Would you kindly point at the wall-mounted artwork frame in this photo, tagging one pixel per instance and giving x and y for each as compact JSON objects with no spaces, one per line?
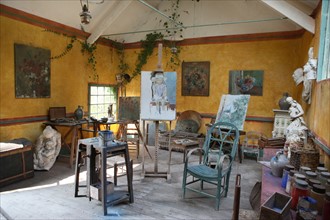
{"x":248,"y":82}
{"x":195,"y":78}
{"x":32,"y":72}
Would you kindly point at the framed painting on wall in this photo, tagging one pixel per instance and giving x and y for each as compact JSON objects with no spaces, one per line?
{"x":32,"y":72}
{"x":158,"y":95}
{"x":246,"y":82}
{"x":195,"y":78}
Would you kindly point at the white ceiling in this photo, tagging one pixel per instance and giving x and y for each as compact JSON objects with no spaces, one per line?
{"x":130,"y":21}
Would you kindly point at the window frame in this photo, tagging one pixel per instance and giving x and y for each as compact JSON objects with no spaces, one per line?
{"x":115,"y":103}
{"x":323,"y":68}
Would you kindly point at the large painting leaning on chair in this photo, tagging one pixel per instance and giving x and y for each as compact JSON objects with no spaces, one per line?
{"x":233,"y":109}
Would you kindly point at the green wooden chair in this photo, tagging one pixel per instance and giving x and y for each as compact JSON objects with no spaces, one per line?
{"x":218,"y":152}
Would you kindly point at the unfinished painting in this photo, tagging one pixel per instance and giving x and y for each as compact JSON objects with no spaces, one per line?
{"x":233,"y":109}
{"x":129,"y":108}
{"x":246,"y":82}
{"x":158,"y":95}
{"x":32,"y":72}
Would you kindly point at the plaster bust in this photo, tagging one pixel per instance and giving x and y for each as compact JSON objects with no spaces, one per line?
{"x":48,"y":147}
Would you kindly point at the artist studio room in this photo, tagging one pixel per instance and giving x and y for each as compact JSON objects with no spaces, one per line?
{"x":165,"y":109}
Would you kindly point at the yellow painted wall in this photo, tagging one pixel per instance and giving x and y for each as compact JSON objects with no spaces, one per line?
{"x":277,"y":58}
{"x":69,"y":76}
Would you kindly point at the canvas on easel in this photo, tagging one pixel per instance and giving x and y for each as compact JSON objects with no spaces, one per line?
{"x":233,"y":109}
{"x":158,"y":96}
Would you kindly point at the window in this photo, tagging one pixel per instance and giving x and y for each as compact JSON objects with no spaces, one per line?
{"x":324,"y":49}
{"x":100,"y":97}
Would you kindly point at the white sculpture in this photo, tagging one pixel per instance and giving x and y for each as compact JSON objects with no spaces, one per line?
{"x":296,"y":131}
{"x":47,"y":149}
{"x":306,"y":75}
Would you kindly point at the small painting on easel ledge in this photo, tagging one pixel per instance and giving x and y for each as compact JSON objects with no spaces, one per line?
{"x":249,"y":82}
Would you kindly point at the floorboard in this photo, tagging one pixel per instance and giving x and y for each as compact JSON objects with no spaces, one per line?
{"x":50,"y":195}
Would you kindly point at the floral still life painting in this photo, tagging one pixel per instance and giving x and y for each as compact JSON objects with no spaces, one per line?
{"x":195,"y":78}
{"x":246,"y":82}
{"x":32,"y":72}
{"x":233,"y":109}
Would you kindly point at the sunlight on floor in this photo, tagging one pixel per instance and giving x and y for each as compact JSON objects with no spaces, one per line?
{"x":70,"y":180}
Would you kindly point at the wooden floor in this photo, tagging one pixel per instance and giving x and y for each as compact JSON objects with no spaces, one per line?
{"x":50,"y":195}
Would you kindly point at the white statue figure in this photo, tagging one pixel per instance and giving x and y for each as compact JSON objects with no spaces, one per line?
{"x":306,"y":75}
{"x":159,"y":90}
{"x":47,"y":149}
{"x":296,"y":131}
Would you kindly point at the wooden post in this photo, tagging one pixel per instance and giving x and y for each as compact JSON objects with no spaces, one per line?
{"x":237,"y":197}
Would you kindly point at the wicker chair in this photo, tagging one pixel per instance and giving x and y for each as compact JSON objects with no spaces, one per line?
{"x":218,"y":152}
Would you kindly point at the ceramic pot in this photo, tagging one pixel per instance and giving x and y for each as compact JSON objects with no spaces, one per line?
{"x":106,"y":137}
{"x":277,"y":164}
{"x":79,"y":113}
{"x":284,"y":105}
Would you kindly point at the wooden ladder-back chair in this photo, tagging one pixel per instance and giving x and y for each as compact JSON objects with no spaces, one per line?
{"x":218,"y":152}
{"x":250,"y":144}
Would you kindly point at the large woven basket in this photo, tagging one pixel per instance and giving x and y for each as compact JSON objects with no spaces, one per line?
{"x":304,"y":158}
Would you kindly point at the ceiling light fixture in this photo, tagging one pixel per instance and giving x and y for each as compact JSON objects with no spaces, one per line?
{"x":85,"y":15}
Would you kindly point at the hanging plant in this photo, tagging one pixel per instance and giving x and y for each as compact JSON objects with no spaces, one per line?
{"x":148,"y":46}
{"x":122,"y":66}
{"x":146,"y":51}
{"x":67,"y":48}
{"x":90,"y":50}
{"x":85,"y":48}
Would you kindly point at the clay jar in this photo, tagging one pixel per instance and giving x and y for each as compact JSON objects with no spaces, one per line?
{"x":277,"y":164}
{"x":284,"y":105}
{"x":79,"y":113}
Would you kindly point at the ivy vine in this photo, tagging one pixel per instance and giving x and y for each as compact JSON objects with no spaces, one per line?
{"x":90,"y":49}
{"x":85,"y":48}
{"x":147,"y":45}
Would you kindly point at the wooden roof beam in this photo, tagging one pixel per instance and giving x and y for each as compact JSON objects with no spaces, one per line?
{"x":113,"y":12}
{"x":293,"y":14}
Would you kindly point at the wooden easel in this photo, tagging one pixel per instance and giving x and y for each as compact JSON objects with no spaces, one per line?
{"x":156,"y":173}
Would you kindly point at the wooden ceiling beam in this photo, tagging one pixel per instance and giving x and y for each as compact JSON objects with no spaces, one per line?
{"x":293,"y":14}
{"x":109,"y":18}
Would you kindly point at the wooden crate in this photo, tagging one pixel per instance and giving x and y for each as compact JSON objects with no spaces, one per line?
{"x":277,"y":207}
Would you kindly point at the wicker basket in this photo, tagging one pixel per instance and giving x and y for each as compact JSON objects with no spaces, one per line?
{"x":300,"y":157}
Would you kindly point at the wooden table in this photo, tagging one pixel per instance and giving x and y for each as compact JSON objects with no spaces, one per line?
{"x":74,"y":130}
{"x":109,"y":150}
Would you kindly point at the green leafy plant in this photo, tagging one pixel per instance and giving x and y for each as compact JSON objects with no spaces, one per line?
{"x":85,"y":48}
{"x":90,"y":50}
{"x":148,"y":46}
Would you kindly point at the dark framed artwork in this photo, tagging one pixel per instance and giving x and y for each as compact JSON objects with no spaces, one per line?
{"x":195,"y":78}
{"x":248,"y":82}
{"x":129,"y":108}
{"x":32,"y":72}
